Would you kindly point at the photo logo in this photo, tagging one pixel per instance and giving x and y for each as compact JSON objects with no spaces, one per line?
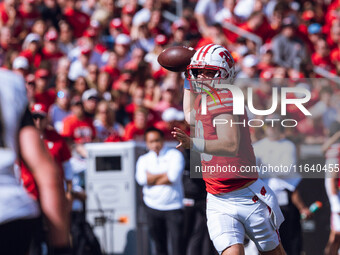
{"x":239,"y":102}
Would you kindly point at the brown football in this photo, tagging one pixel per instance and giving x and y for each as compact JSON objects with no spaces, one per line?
{"x":176,"y":58}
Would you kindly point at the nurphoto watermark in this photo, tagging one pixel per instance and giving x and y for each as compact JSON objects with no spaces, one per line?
{"x":238,"y":103}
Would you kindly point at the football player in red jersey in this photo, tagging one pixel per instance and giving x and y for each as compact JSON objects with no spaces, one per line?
{"x":238,"y":203}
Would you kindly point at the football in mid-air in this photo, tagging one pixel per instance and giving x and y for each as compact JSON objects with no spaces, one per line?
{"x":176,"y":58}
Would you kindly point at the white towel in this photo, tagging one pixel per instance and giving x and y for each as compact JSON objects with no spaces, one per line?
{"x":266,"y":195}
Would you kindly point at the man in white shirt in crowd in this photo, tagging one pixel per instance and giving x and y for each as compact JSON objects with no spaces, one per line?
{"x":160,"y":173}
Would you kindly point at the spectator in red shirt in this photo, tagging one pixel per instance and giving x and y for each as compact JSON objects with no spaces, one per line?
{"x":157,"y":25}
{"x":258,"y":24}
{"x":8,"y":13}
{"x":307,"y":18}
{"x":123,"y":84}
{"x":168,"y":99}
{"x":334,"y":34}
{"x":332,"y":11}
{"x":107,"y":129}
{"x":50,"y":50}
{"x":42,"y":94}
{"x":28,"y":12}
{"x":31,"y":49}
{"x":115,"y":28}
{"x":111,"y":66}
{"x":280,"y":11}
{"x":137,"y":56}
{"x":92,"y":33}
{"x":321,"y":55}
{"x":78,"y":127}
{"x":152,"y":93}
{"x":215,"y":35}
{"x":77,"y":19}
{"x":137,"y":101}
{"x":127,"y":15}
{"x":56,"y":146}
{"x":90,"y":41}
{"x":179,"y":31}
{"x":227,"y":15}
{"x":135,"y":129}
{"x":266,"y":61}
{"x":189,"y":16}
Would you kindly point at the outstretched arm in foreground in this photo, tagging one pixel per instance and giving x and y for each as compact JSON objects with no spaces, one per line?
{"x":49,"y":181}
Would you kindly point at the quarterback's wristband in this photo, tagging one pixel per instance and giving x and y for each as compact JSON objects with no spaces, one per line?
{"x":198,"y":144}
{"x":192,"y":117}
{"x":335,"y":203}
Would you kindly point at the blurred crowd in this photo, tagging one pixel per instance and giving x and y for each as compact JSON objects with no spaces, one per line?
{"x":102,"y":56}
{"x":93,"y":64}
{"x":91,"y":69}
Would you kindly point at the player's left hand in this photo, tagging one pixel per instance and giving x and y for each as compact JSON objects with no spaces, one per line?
{"x":184,"y":140}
